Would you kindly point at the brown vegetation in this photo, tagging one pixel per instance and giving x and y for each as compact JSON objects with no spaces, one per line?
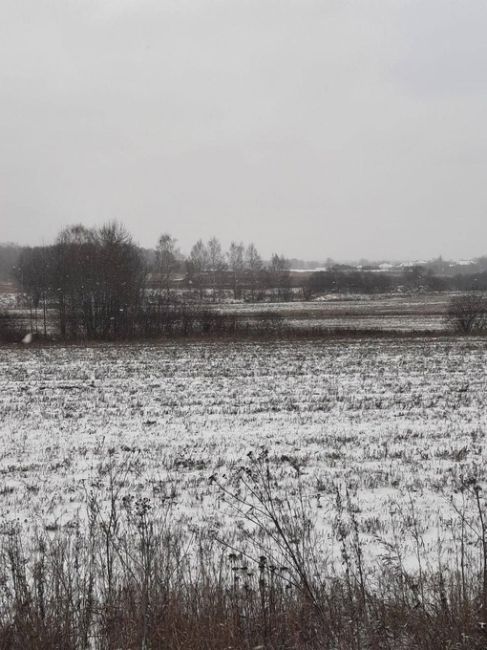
{"x":126,"y":578}
{"x":467,"y":313}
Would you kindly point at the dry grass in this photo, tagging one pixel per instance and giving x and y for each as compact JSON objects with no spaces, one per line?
{"x":126,"y":579}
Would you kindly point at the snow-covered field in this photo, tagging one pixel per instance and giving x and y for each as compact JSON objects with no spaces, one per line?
{"x":349,"y":304}
{"x":8,"y":300}
{"x":396,"y":421}
{"x":388,"y":312}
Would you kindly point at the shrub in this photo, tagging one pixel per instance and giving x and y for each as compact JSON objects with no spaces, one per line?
{"x":468,"y":313}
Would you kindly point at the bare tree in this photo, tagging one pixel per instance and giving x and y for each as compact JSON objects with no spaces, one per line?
{"x":468,"y":313}
{"x":93,"y":278}
{"x":216,"y":264}
{"x":280,"y":276}
{"x":74,"y":261}
{"x":253,"y":266}
{"x":34,"y":274}
{"x":9,"y":258}
{"x":123,"y":274}
{"x":197,"y":265}
{"x":236,"y":266}
{"x":167,"y":262}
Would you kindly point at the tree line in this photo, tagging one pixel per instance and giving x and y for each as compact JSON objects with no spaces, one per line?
{"x":96,"y":283}
{"x":413,"y":279}
{"x":209,"y":267}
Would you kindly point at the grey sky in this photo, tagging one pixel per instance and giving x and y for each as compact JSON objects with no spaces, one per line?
{"x":343,"y":128}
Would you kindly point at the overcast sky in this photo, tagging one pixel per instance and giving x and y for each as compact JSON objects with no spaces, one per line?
{"x":316,"y":128}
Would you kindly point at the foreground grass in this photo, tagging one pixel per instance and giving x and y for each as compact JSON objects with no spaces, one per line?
{"x":126,"y":577}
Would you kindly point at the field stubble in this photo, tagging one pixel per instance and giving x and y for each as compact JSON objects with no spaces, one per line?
{"x":373,"y":440}
{"x":387,"y":419}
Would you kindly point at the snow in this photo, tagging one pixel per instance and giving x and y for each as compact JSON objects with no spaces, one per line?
{"x":397,"y":422}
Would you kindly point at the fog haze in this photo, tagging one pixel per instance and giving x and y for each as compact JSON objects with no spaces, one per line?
{"x":342,"y":128}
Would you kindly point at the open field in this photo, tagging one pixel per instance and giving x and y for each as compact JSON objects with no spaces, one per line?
{"x":398,"y":422}
{"x":390,"y":313}
{"x":282,"y":495}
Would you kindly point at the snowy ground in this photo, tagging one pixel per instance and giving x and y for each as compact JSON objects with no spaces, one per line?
{"x":398,"y":422}
{"x":8,"y":300}
{"x":388,"y":312}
